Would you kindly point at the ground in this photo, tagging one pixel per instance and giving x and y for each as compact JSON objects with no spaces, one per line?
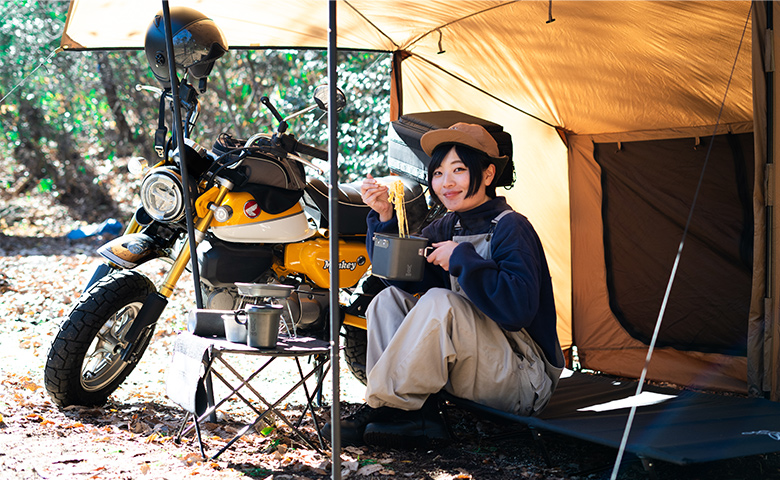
{"x":42,"y":273}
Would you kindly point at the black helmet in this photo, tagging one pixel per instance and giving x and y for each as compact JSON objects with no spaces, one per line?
{"x":197,"y":43}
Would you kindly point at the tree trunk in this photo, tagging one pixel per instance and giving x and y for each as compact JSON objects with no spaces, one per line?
{"x":109,"y":85}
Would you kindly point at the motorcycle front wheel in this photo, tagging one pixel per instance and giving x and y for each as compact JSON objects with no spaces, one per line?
{"x":85,"y":363}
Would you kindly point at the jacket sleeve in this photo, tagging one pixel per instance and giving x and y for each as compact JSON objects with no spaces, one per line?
{"x":507,"y":287}
{"x":376,"y":226}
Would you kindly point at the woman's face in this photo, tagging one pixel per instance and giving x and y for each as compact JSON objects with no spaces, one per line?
{"x":450,"y":183}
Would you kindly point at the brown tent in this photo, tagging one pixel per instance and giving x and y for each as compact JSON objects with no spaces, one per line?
{"x":612,"y":107}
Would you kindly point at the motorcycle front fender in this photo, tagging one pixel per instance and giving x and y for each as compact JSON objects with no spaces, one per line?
{"x":129,"y":251}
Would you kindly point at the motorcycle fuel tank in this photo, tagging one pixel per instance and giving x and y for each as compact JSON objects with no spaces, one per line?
{"x":312,"y":258}
{"x":250,"y":224}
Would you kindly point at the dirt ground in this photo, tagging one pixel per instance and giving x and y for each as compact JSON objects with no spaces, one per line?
{"x":42,"y":274}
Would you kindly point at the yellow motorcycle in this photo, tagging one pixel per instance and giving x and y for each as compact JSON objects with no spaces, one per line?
{"x":257,"y":219}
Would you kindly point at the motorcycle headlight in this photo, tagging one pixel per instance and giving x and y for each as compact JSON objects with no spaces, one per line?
{"x":162,"y":195}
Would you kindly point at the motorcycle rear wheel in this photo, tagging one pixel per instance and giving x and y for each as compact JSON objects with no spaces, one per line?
{"x":84,"y":365}
{"x":355,"y":343}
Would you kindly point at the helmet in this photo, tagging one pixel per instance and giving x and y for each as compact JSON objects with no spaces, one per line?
{"x":197,"y":43}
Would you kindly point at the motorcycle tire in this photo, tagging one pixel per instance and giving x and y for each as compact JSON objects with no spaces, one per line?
{"x":355,"y":343}
{"x":85,"y":365}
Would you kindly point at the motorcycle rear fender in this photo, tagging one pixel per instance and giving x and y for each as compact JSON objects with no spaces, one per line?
{"x":354,"y":321}
{"x":129,"y":251}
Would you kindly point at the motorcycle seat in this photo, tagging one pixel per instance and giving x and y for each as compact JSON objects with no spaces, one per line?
{"x":352,"y":210}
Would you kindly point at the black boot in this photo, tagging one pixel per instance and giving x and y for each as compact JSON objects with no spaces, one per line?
{"x":353,"y":426}
{"x":424,"y":428}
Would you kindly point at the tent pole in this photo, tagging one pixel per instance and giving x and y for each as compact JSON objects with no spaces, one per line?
{"x":333,"y":235}
{"x":772,"y":339}
{"x":179,"y":133}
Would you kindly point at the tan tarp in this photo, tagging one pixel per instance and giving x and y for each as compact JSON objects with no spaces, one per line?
{"x":601,"y":70}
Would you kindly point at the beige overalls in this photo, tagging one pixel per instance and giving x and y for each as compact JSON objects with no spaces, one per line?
{"x":442,"y":341}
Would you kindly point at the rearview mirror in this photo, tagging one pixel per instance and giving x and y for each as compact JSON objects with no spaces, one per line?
{"x":322,"y":94}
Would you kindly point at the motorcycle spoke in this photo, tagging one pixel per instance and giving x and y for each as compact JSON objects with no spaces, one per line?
{"x":103,"y":361}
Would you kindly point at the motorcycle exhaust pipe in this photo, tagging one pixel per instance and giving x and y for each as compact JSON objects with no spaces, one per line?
{"x":153,"y":307}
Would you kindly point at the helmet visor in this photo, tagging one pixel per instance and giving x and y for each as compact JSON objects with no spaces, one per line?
{"x":200,"y":43}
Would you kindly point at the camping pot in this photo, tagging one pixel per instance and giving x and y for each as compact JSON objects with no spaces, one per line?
{"x":262,"y":324}
{"x":399,"y":258}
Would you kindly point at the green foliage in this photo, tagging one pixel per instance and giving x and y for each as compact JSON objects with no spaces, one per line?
{"x":87,"y":103}
{"x":288,"y":79}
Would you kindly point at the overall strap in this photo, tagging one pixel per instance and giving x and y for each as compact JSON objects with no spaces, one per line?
{"x":495,"y":221}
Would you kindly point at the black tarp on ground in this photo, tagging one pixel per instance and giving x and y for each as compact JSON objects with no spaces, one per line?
{"x":684,"y":428}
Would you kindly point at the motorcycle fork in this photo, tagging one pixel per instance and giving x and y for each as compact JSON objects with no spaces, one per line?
{"x":156,"y":302}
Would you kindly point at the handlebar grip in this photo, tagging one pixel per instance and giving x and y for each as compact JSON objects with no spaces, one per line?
{"x":311,"y":151}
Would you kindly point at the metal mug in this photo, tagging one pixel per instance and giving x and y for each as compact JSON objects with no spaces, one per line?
{"x":235,"y":328}
{"x":262,"y":324}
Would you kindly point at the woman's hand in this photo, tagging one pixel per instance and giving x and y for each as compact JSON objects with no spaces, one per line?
{"x":375,"y":195}
{"x":441,"y":255}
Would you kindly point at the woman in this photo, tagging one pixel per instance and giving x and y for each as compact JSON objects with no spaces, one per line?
{"x":485,"y":327}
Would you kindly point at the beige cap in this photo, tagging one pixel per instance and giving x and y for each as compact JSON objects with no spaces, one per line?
{"x":468,"y":134}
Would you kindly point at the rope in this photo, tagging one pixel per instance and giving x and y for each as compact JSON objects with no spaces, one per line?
{"x":662,"y":311}
{"x":24,"y":80}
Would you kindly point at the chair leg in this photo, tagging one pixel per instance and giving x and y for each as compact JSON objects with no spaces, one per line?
{"x":441,"y":405}
{"x":180,"y":430}
{"x":200,"y":440}
{"x":649,"y":467}
{"x":537,"y":436}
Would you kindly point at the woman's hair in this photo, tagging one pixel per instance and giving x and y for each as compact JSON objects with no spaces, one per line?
{"x":475,"y":160}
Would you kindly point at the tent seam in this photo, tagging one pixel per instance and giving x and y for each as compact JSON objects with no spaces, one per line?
{"x":456,"y":21}
{"x":482,"y":90}
{"x":372,"y":24}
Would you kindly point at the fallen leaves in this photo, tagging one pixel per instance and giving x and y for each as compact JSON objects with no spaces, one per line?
{"x":191,"y":459}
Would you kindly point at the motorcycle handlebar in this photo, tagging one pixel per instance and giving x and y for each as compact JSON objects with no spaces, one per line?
{"x":311,"y":151}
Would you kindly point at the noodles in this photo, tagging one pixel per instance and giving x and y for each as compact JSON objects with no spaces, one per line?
{"x":396,"y":195}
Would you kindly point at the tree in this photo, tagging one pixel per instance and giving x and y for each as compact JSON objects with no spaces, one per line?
{"x":73,"y":111}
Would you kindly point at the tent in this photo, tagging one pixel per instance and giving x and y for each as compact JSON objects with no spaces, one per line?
{"x":614,"y":108}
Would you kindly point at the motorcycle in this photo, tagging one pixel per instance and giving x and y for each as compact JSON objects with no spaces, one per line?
{"x":258,"y":219}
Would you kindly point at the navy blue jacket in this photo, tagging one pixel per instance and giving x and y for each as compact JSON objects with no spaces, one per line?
{"x":513,"y":288}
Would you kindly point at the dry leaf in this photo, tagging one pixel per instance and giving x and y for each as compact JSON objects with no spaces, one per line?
{"x":351,"y":465}
{"x":192,"y":459}
{"x":370,"y":469}
{"x":145,"y":468}
{"x":354,"y":450}
{"x":31,"y":385}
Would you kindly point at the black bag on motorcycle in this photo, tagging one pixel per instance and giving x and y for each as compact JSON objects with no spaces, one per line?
{"x":276,"y":182}
{"x":406,"y":157}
